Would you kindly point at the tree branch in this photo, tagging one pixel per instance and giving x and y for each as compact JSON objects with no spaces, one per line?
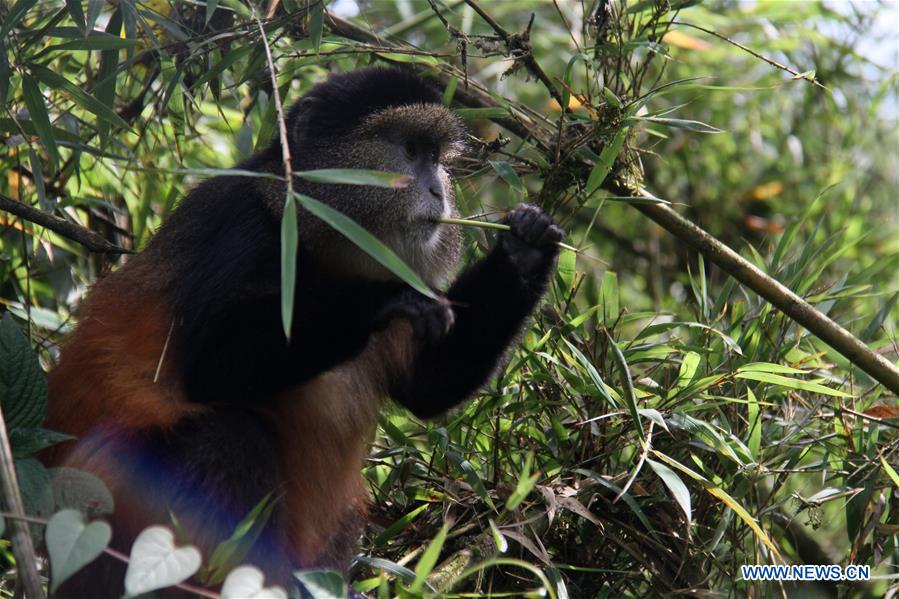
{"x":89,"y":239}
{"x":777,"y":294}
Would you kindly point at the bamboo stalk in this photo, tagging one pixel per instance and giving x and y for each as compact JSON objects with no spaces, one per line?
{"x":22,"y":547}
{"x":464,"y":222}
{"x":827,"y":330}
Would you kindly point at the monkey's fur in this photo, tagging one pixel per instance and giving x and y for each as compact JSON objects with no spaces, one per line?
{"x":179,"y":382}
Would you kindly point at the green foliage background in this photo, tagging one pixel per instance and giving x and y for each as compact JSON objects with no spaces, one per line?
{"x":659,"y":425}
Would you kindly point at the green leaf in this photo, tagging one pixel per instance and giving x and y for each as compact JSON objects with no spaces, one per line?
{"x":23,"y":386}
{"x":450,"y":90}
{"x":107,"y":77}
{"x":894,"y":476}
{"x":227,"y":60}
{"x":14,"y":15}
{"x":525,"y":483}
{"x":471,"y":476}
{"x":689,"y":125}
{"x":607,"y":158}
{"x":790,"y":383}
{"x":630,"y":396}
{"x":5,"y":74}
{"x":508,"y":174}
{"x":591,"y":372}
{"x":567,"y":78}
{"x":502,"y":545}
{"x":367,"y":242}
{"x":354,"y":176}
{"x":877,"y":322}
{"x":726,"y":499}
{"x":230,"y":553}
{"x":85,"y":100}
{"x":399,"y":525}
{"x":687,"y":369}
{"x":289,"y":243}
{"x":28,"y":440}
{"x":37,"y":494}
{"x":76,"y":11}
{"x":316,"y":24}
{"x":72,"y":544}
{"x":95,"y":41}
{"x":34,"y":100}
{"x":609,"y":298}
{"x":755,"y":425}
{"x":675,"y":485}
{"x":322,"y":584}
{"x":37,"y":166}
{"x":429,"y":558}
{"x":566,"y":269}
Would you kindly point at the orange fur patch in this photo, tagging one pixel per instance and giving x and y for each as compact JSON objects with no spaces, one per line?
{"x":324,"y":429}
{"x":107,"y":371}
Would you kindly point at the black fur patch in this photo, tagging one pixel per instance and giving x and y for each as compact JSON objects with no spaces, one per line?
{"x":338,"y":105}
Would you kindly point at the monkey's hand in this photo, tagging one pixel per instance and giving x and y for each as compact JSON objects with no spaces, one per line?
{"x":431,"y":319}
{"x":531,"y":242}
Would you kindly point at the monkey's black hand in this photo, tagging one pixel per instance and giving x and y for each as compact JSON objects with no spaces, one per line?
{"x":431,"y":319}
{"x":531,"y":242}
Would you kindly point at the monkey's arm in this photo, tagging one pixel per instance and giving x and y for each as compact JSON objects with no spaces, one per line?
{"x":227,"y":336}
{"x":490,"y":303}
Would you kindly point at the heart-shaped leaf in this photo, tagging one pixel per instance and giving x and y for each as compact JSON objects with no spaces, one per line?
{"x":72,"y":544}
{"x":156,"y":563}
{"x":245,"y":582}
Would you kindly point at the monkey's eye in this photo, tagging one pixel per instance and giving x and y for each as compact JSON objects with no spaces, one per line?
{"x":410,"y":151}
{"x":435,"y":156}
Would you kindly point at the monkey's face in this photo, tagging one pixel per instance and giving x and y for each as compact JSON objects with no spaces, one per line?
{"x":418,"y":141}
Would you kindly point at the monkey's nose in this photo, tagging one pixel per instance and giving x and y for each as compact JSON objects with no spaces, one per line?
{"x":436,"y":192}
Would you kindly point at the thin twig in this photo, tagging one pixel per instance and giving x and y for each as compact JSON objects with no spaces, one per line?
{"x":22,"y":547}
{"x":762,"y":57}
{"x":279,"y":108}
{"x":513,"y":44}
{"x":80,"y":235}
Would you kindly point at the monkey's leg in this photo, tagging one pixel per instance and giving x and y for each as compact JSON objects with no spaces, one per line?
{"x":490,"y":303}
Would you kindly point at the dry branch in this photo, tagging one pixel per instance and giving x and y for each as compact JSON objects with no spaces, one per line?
{"x":89,"y":239}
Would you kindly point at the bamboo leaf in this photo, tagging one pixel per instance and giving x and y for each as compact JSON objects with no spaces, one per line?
{"x":367,"y":242}
{"x":675,"y":485}
{"x":84,"y":99}
{"x":316,"y":24}
{"x":34,"y":100}
{"x":607,"y":158}
{"x":289,"y":243}
{"x":429,"y":558}
{"x":354,"y":176}
{"x":790,"y":383}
